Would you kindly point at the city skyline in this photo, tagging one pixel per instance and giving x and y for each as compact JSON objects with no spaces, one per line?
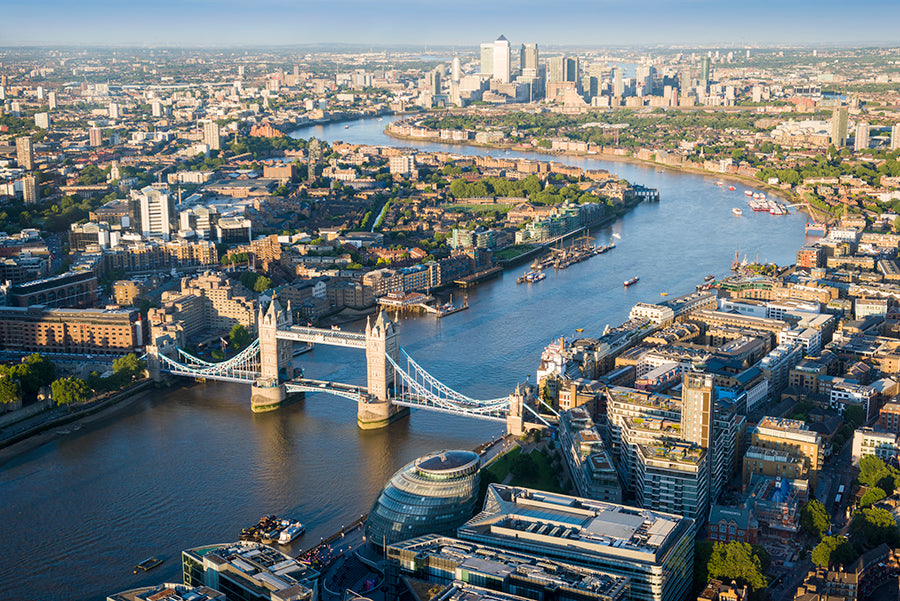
{"x":461,"y":23}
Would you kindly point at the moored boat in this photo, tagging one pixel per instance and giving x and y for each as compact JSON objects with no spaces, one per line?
{"x":736,"y":212}
{"x":292,"y":531}
{"x":148,"y":564}
{"x":732,"y":188}
{"x":631,"y":282}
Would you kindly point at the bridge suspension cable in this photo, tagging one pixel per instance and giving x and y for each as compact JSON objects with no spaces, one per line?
{"x":243,"y":367}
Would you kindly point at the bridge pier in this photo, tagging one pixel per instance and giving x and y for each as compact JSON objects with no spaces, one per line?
{"x":378,"y":414}
{"x":268,"y":395}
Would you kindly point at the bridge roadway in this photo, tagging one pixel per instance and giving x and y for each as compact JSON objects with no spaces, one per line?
{"x":321,"y":336}
{"x":349,"y":391}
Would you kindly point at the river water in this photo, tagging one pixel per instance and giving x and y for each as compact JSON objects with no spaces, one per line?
{"x":192,"y":466}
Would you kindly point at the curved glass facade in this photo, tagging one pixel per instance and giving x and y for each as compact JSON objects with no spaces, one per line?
{"x":435,"y":494}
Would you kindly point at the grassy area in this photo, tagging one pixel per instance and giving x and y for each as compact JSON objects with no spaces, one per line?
{"x":500,"y":468}
{"x":512,"y":252}
{"x":477,"y":208}
{"x":543,"y":478}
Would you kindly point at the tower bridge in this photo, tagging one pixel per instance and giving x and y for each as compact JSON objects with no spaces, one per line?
{"x":394,"y":381}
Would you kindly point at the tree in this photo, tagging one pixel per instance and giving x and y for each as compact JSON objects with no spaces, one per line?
{"x":874,"y":526}
{"x":872,"y":496}
{"x":44,"y":370}
{"x":69,"y":390}
{"x":129,"y":367}
{"x":814,"y":518}
{"x":262,"y":284}
{"x":833,"y":550}
{"x":854,"y":415}
{"x":239,"y":336}
{"x":10,"y":390}
{"x":737,"y":561}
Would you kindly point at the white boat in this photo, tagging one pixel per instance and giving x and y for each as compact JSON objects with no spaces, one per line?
{"x":294,"y":530}
{"x":736,"y":212}
{"x":748,"y":193}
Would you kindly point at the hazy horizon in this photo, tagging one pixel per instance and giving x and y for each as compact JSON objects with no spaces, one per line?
{"x":462,"y":23}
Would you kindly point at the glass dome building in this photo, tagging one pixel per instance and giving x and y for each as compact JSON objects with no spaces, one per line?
{"x":435,"y":494}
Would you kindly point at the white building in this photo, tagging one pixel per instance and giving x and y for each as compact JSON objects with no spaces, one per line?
{"x":500,"y":68}
{"x":156,"y":211}
{"x":867,"y":441}
{"x":658,"y":314}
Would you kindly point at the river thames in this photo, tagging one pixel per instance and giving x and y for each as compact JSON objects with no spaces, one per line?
{"x":192,"y":466}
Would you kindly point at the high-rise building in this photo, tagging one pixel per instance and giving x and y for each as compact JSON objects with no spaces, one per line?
{"x":434,"y":82}
{"x":557,"y":71}
{"x":618,"y":83}
{"x":487,"y":59}
{"x":572,"y":68}
{"x":895,"y":137}
{"x":25,"y":153}
{"x":42,"y":120}
{"x":839,"y":126}
{"x":156,"y":207}
{"x":861,"y":140}
{"x":2,"y":94}
{"x":645,"y":75}
{"x":96,"y":136}
{"x":51,"y":100}
{"x":501,"y":60}
{"x":211,"y":135}
{"x":698,"y":396}
{"x":529,"y":57}
{"x":156,"y":109}
{"x":455,"y":70}
{"x":113,"y":110}
{"x":29,"y":189}
{"x":673,"y":477}
{"x":704,"y":71}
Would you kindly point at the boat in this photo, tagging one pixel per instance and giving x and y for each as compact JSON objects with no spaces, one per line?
{"x":292,"y":531}
{"x":736,"y":212}
{"x":616,"y":236}
{"x":631,"y":281}
{"x":732,"y":188}
{"x":719,"y":183}
{"x":148,"y":564}
{"x":749,"y":193}
{"x":709,"y":278}
{"x":346,"y":127}
{"x":299,"y":350}
{"x":664,"y":294}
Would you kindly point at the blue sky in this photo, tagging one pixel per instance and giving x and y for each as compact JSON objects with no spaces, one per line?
{"x":451,"y":22}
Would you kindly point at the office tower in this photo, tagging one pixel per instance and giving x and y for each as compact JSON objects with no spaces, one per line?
{"x":96,"y":136}
{"x":557,"y":70}
{"x":29,"y":189}
{"x":156,"y":109}
{"x":529,"y":57}
{"x":211,"y":135}
{"x":645,"y":75}
{"x":487,"y":59}
{"x":500,"y":66}
{"x":2,"y":93}
{"x":113,"y":110}
{"x":618,"y":83}
{"x":314,"y":158}
{"x":704,"y":71}
{"x":572,"y":68}
{"x":156,"y":207}
{"x":839,"y":126}
{"x":296,"y":73}
{"x":51,"y":100}
{"x":4,"y":80}
{"x":455,"y":70}
{"x":861,"y":141}
{"x":25,"y":153}
{"x":42,"y":120}
{"x":240,"y":70}
{"x":434,"y":82}
{"x":40,"y":92}
{"x":895,"y":137}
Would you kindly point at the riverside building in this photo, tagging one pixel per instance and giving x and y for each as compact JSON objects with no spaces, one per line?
{"x":443,"y":560}
{"x":655,"y":550}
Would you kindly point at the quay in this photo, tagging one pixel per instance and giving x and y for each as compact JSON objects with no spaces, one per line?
{"x":477,"y":278}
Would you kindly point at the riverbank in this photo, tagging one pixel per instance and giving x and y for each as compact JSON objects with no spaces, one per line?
{"x":786,"y":196}
{"x":46,"y":427}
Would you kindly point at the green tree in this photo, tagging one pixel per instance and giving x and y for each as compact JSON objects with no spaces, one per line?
{"x":815,"y":519}
{"x":10,"y":390}
{"x":44,"y":370}
{"x":239,"y":336}
{"x":872,"y":496}
{"x":833,"y":550}
{"x":873,"y":526}
{"x":69,"y":390}
{"x":129,"y":367}
{"x":737,"y":561}
{"x":262,"y":284}
{"x":854,"y":415}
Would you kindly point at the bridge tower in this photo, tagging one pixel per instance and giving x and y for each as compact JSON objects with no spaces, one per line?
{"x":515,"y":419}
{"x":275,"y":357}
{"x":381,"y":342}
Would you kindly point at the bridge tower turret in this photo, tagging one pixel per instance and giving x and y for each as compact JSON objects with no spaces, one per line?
{"x":381,"y":342}
{"x":275,"y":357}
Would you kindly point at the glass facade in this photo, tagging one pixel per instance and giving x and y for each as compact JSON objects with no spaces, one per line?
{"x":434,"y":494}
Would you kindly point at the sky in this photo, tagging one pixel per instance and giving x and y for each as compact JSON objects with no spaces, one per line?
{"x":594,"y":23}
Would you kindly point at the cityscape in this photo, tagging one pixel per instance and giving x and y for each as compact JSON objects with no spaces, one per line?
{"x":389,"y":313}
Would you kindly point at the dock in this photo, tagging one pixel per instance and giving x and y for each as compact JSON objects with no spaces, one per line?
{"x":476,"y":278}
